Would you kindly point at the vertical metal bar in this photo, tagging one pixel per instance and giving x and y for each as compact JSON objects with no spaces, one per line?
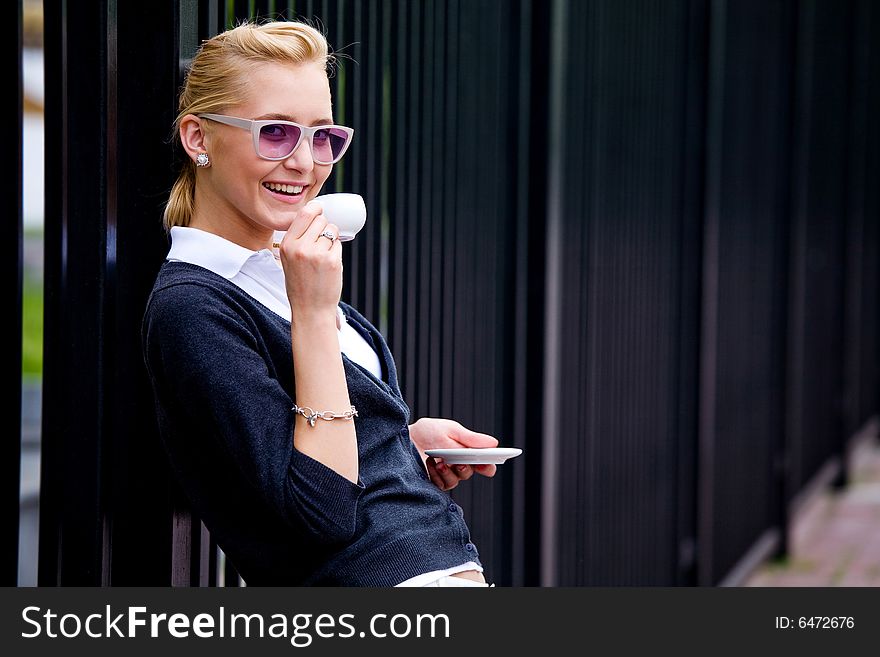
{"x":211,"y":20}
{"x":53,"y":34}
{"x":144,"y":80}
{"x":469,"y":244}
{"x":398,"y":226}
{"x":780,"y":466}
{"x":372,"y":120}
{"x":521,"y":44}
{"x":574,"y":537}
{"x":109,"y":398}
{"x":709,"y":323}
{"x":694,"y":169}
{"x":355,"y":168}
{"x":186,"y":542}
{"x":869,"y":402}
{"x":849,"y":254}
{"x":858,"y":245}
{"x":818,"y":204}
{"x":435,"y":272}
{"x":414,"y":192}
{"x":240,"y":11}
{"x":452,"y":211}
{"x":12,"y":266}
{"x":465,"y":94}
{"x":384,"y":124}
{"x":423,"y":329}
{"x":207,"y":558}
{"x":406,"y":342}
{"x":532,"y":165}
{"x":553,"y":310}
{"x":72,"y":509}
{"x":849,"y":261}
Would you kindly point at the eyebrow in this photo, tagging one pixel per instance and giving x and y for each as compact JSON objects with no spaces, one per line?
{"x":285,"y":117}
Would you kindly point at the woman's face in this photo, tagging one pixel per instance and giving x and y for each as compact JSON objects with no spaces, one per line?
{"x":239,"y":181}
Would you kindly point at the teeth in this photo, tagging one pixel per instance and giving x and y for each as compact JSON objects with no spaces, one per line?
{"x":286,"y":189}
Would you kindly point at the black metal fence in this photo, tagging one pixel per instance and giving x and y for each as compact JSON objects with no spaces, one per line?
{"x":638,"y":239}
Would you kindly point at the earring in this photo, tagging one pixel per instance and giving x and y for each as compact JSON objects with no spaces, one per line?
{"x":203,"y":160}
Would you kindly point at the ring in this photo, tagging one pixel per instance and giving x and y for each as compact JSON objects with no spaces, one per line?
{"x":329,"y":235}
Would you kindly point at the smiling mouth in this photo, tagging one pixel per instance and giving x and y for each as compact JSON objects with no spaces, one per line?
{"x":287,"y":190}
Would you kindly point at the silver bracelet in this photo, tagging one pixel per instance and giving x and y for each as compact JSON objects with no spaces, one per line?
{"x":311,"y":415}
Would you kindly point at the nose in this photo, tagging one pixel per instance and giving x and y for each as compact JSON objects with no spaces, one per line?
{"x":301,"y":159}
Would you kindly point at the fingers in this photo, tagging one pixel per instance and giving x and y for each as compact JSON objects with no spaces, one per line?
{"x":313,"y":233}
{"x":330,"y":229}
{"x":487,"y":470}
{"x":310,"y":223}
{"x":435,"y":476}
{"x":312,"y":264}
{"x":469,"y":438}
{"x":304,"y":220}
{"x":447,"y":477}
{"x":314,"y":230}
{"x":463,"y":472}
{"x":442,"y":475}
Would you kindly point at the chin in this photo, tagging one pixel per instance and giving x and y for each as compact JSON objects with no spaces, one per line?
{"x":282,"y":224}
{"x":281,"y":218}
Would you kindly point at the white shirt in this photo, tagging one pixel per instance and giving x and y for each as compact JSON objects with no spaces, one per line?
{"x":260,"y":275}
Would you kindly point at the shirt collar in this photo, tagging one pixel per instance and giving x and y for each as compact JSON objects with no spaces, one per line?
{"x":215,"y":253}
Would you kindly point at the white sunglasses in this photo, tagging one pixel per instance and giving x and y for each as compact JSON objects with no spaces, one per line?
{"x":277,"y":140}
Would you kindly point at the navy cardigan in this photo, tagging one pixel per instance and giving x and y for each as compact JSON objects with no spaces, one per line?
{"x":221,"y":369}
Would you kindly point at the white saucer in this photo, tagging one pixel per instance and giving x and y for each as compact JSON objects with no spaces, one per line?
{"x":475,"y":455}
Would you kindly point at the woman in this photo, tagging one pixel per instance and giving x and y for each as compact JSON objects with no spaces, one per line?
{"x":278,"y":404}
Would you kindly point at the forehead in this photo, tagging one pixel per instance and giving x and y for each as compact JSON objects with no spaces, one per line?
{"x":300,"y":92}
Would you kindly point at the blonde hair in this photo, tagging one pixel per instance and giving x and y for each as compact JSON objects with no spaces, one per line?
{"x":217,"y":79}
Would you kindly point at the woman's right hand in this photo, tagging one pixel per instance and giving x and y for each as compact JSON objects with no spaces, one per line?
{"x":312,"y":265}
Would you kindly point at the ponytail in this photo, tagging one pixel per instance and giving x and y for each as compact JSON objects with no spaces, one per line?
{"x":181,"y":202}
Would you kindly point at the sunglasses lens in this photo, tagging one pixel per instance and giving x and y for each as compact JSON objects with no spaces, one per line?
{"x":328,"y":145}
{"x":278,"y":140}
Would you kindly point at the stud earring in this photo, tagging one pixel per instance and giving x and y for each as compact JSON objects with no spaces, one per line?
{"x":203,"y":160}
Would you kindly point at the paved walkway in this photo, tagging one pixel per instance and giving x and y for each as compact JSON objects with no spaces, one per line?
{"x":836,"y":536}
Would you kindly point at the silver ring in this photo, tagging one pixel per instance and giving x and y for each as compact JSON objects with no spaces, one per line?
{"x":329,"y":235}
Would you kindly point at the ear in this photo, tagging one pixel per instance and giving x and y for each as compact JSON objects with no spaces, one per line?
{"x":193,"y":137}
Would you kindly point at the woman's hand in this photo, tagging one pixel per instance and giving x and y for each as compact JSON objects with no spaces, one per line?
{"x":312,"y":265}
{"x":436,"y":433}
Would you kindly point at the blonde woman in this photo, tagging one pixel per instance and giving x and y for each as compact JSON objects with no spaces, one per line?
{"x":277,"y":403}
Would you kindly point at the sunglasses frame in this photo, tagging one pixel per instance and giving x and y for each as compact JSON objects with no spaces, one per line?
{"x":304,"y":131}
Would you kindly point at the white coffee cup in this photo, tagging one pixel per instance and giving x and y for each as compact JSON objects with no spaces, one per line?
{"x":347,"y":211}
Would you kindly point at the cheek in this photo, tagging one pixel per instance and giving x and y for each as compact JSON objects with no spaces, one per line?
{"x":246,"y":176}
{"x":322,"y":172}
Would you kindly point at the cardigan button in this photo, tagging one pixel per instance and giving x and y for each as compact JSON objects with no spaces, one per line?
{"x":453,"y":507}
{"x":470,"y":547}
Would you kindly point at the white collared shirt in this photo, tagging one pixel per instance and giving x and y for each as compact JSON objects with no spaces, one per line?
{"x":260,"y":275}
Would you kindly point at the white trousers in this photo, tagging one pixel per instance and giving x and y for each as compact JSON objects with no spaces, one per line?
{"x":452,"y":581}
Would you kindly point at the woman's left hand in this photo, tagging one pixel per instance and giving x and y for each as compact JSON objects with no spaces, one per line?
{"x":437,"y":433}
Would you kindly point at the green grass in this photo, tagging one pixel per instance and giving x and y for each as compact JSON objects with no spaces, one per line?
{"x":32,"y":327}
